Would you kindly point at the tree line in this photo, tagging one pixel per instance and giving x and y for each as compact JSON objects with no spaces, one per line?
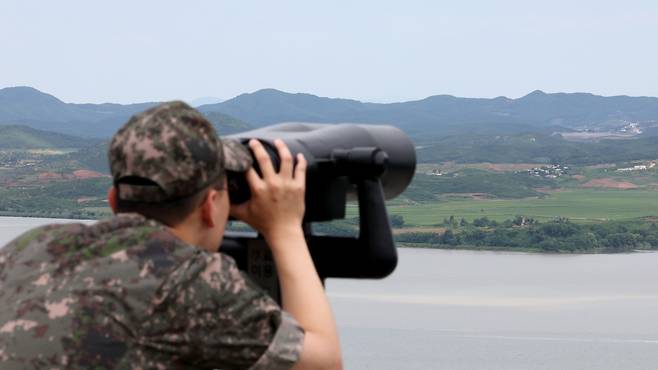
{"x":522,"y":233}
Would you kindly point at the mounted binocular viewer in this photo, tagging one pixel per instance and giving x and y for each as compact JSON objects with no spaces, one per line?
{"x":366,"y":163}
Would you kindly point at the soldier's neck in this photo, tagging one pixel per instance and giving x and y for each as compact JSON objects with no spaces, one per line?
{"x":190,"y":235}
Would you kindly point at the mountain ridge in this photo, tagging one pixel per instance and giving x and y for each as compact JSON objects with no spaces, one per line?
{"x":436,"y":115}
{"x":24,"y":105}
{"x":535,"y":110}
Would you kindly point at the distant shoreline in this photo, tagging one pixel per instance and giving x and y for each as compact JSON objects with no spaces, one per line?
{"x":53,"y":217}
{"x":528,"y":250}
{"x":404,"y":245}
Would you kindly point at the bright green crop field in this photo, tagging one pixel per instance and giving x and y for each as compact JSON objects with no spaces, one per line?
{"x":581,"y":205}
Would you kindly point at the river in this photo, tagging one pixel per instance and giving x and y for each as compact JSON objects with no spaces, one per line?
{"x":493,"y":310}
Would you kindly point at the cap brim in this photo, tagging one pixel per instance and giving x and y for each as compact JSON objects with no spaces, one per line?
{"x":237,"y":157}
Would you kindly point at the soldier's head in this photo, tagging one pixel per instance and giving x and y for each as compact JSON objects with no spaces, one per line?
{"x":168,"y":163}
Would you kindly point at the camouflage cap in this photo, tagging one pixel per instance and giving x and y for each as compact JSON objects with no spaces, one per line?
{"x":169,"y":152}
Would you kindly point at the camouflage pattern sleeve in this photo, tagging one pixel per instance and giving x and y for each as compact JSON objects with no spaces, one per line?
{"x":227,"y":321}
{"x":285,"y":348}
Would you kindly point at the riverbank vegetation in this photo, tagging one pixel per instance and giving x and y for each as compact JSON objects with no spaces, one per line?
{"x":528,"y":234}
{"x":521,"y":233}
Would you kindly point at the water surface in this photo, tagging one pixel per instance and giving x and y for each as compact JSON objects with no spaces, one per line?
{"x":492,"y":310}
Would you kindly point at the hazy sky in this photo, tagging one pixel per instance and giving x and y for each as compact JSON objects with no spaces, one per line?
{"x":132,"y":51}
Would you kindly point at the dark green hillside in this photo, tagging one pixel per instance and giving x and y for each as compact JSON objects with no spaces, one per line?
{"x":91,"y":158}
{"x":427,"y":188}
{"x":534,"y":148}
{"x":82,"y":198}
{"x":23,"y":137}
{"x":225,"y":124}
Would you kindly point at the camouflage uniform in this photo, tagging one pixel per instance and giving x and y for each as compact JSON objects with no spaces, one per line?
{"x":126,"y":293}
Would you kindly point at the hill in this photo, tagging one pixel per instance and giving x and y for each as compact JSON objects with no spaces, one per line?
{"x":225,"y":124}
{"x":28,"y":106}
{"x":534,"y":148}
{"x":445,"y":114}
{"x":23,"y":137}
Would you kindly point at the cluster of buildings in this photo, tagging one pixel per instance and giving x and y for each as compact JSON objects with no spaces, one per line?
{"x":549,"y":172}
{"x":639,"y":167}
{"x":11,"y":162}
{"x":631,"y":128}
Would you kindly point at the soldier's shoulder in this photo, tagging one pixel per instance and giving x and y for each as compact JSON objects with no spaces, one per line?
{"x":42,"y":234}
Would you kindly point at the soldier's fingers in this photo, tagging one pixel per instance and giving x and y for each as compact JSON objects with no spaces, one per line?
{"x":285,"y":157}
{"x":300,"y":170}
{"x":254,"y":181}
{"x":263,"y":159}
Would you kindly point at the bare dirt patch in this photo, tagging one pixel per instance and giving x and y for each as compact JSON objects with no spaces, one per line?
{"x":579,"y":177}
{"x":47,"y":176}
{"x":75,"y":175}
{"x":609,"y":184}
{"x":419,"y":230}
{"x":448,"y":167}
{"x":86,"y":174}
{"x":595,"y":136}
{"x":48,"y":151}
{"x":474,"y":196}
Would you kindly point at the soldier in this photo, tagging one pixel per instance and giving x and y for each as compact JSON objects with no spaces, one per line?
{"x":145,"y":288}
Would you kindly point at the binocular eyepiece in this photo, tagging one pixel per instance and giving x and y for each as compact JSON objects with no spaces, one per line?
{"x":337,"y":155}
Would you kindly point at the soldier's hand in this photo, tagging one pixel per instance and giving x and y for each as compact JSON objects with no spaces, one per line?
{"x":276,"y":206}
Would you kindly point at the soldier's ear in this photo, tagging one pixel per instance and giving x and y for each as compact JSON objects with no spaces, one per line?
{"x":112,"y":198}
{"x":207,"y":209}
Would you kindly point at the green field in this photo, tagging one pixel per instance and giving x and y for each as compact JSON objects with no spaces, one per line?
{"x":582,"y":205}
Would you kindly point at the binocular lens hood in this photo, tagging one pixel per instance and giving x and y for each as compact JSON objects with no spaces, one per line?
{"x":338,"y":156}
